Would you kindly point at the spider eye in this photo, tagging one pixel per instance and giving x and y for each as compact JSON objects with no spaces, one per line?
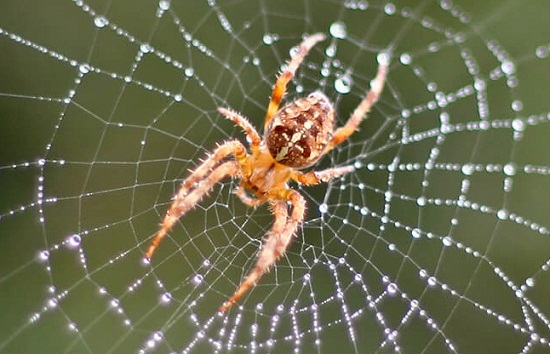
{"x":300,"y":131}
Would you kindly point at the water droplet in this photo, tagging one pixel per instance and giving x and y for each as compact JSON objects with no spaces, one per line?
{"x":405,"y":59}
{"x":323,"y":208}
{"x":331,"y":51}
{"x":34,"y":317}
{"x":432,"y":281}
{"x":164,"y":5}
{"x":52,"y":303}
{"x":189,"y":72}
{"x":416,"y":233}
{"x":391,"y":289}
{"x":270,"y":38}
{"x":100,"y":22}
{"x":343,"y":84}
{"x":389,"y":9}
{"x":84,"y":68}
{"x":145,"y":48}
{"x":197,"y":279}
{"x":502,"y":214}
{"x":517,"y":105}
{"x":509,"y":169}
{"x":530,"y":282}
{"x":166,"y":298}
{"x":467,"y":169}
{"x":421,"y":201}
{"x":43,"y":256}
{"x":384,"y":58}
{"x":518,"y":125}
{"x":338,"y":30}
{"x":542,"y":52}
{"x":431,"y":86}
{"x":157,"y":336}
{"x":73,"y":241}
{"x":447,"y":241}
{"x":508,"y":67}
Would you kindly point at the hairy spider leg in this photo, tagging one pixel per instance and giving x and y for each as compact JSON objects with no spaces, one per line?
{"x":242,"y":122}
{"x":279,"y":88}
{"x":377,"y":85}
{"x":315,"y":177}
{"x":276,"y":241}
{"x":195,"y":187}
{"x":246,"y":199}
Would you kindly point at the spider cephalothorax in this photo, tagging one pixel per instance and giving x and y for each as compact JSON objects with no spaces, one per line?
{"x":295,"y":137}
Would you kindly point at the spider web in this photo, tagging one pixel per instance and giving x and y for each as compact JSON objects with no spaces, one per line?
{"x":438,"y":242}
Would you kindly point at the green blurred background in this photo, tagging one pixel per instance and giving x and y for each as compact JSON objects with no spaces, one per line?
{"x":115,"y":154}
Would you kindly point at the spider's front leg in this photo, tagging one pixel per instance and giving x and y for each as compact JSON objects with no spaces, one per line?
{"x":315,"y":177}
{"x":254,"y":138}
{"x":199,"y":183}
{"x":364,"y":107}
{"x":276,"y":241}
{"x":280,"y":86}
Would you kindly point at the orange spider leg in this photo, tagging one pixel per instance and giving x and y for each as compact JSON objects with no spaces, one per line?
{"x":246,"y":199}
{"x":195,"y":187}
{"x":276,"y":241}
{"x":316,"y":177}
{"x":377,"y":85}
{"x":231,"y":147}
{"x":279,"y":88}
{"x":242,"y":122}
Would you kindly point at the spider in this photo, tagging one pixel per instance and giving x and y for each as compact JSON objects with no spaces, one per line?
{"x":295,"y":137}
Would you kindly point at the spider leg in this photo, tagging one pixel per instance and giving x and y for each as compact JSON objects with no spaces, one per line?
{"x":275,"y":242}
{"x":246,"y":199}
{"x":242,"y":122}
{"x":231,"y":147}
{"x":316,"y":177}
{"x":279,"y":88}
{"x":377,"y":85}
{"x":195,"y":187}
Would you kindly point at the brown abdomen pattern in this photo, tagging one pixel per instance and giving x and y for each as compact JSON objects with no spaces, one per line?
{"x":300,"y":131}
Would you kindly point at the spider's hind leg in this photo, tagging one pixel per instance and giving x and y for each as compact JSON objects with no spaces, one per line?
{"x":276,"y":241}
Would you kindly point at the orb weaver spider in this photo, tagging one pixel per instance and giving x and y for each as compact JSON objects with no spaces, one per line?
{"x":295,"y":137}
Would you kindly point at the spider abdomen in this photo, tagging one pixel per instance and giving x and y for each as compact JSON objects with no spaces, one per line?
{"x":300,"y":131}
